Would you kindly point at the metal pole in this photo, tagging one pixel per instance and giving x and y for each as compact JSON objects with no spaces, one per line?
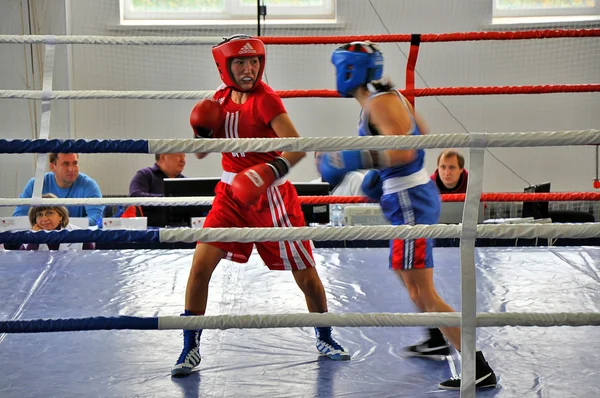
{"x":258,"y":18}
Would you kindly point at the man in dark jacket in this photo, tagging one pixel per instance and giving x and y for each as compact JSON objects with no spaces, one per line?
{"x":148,"y":183}
{"x":451,"y":175}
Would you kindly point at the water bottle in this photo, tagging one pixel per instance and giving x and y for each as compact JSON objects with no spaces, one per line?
{"x":337,"y":216}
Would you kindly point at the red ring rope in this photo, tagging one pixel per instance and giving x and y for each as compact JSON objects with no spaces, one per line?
{"x":486,"y":197}
{"x":433,"y":37}
{"x":445,"y":91}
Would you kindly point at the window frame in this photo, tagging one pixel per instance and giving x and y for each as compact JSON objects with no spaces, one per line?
{"x":546,"y":12}
{"x":233,"y":10}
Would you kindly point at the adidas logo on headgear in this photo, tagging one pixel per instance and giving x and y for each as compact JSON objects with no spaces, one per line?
{"x":247,"y":49}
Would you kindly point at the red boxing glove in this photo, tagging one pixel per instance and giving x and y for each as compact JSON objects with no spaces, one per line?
{"x":253,"y":182}
{"x":249,"y":185}
{"x":206,"y":118}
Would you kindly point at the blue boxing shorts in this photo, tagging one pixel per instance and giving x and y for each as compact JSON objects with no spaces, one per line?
{"x":417,"y":205}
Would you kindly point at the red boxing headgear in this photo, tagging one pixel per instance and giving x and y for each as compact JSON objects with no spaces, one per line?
{"x":238,"y":46}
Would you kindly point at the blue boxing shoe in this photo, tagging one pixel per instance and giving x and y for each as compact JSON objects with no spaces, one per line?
{"x":190,"y":355}
{"x":327,"y":346}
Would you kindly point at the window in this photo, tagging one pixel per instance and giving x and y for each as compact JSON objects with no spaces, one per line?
{"x":181,"y":11}
{"x":545,"y":8}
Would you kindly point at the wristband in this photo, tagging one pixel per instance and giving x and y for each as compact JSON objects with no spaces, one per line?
{"x":280,"y":165}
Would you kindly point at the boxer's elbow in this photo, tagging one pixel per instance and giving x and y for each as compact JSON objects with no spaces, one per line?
{"x":294,"y":157}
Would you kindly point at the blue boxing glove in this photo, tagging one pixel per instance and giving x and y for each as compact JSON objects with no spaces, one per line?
{"x":351,"y":160}
{"x":372,"y":185}
{"x":329,"y":173}
{"x":333,"y":166}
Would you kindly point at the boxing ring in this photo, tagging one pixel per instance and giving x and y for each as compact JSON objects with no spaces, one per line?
{"x":283,"y":362}
{"x":510,"y":297}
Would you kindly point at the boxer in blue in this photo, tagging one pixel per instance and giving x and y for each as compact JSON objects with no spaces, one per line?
{"x":406,"y":193}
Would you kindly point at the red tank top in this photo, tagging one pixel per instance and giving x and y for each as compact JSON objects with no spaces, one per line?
{"x":249,"y":120}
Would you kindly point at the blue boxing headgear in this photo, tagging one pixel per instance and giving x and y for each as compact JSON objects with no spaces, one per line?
{"x":356,"y":63}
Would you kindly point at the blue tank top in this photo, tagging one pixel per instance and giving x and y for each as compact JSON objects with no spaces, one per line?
{"x":365,"y":129}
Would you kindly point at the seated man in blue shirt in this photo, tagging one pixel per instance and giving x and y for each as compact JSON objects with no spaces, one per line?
{"x":65,"y":181}
{"x":148,"y":182}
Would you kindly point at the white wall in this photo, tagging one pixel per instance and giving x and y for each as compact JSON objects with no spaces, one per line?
{"x":566,"y":61}
{"x":20,"y":67}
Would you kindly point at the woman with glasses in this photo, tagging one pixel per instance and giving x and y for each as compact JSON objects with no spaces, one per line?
{"x":52,"y":218}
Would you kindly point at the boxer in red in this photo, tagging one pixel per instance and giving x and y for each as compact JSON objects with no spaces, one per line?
{"x":253,"y":191}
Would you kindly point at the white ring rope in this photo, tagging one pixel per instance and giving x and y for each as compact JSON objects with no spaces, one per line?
{"x":111,"y":94}
{"x":126,"y":201}
{"x":432,"y":319}
{"x":122,"y":40}
{"x":378,"y":232}
{"x":309,"y":144}
{"x":105,"y":94}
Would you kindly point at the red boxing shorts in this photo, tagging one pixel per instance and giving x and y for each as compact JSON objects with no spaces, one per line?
{"x":278,"y":207}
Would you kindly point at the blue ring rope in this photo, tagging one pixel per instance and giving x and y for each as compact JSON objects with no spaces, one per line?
{"x":79,"y":324}
{"x":73,"y":146}
{"x":80,"y":236}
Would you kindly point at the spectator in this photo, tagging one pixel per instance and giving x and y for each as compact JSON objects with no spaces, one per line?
{"x":451,"y":175}
{"x":65,"y":181}
{"x":52,"y":218}
{"x":149,"y":183}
